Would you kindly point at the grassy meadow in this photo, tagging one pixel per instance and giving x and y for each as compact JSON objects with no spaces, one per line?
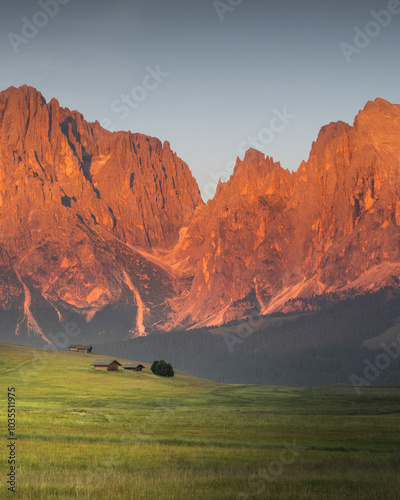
{"x":126,"y":435}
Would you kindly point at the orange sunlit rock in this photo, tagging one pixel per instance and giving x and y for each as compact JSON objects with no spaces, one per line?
{"x":94,"y":221}
{"x":330,"y":226}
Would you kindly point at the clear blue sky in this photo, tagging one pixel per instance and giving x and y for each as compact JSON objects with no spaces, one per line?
{"x":226,"y":78}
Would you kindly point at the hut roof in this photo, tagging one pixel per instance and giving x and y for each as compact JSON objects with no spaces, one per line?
{"x":133,"y":366}
{"x":81,"y":346}
{"x":105,"y":362}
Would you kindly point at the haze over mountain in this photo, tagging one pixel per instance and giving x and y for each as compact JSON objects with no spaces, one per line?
{"x":109,"y":228}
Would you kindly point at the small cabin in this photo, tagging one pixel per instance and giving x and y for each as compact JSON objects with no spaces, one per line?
{"x":81,"y":348}
{"x":135,"y":368}
{"x":107,"y":365}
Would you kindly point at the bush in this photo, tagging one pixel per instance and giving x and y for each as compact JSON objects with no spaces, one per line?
{"x":162,"y":368}
{"x":170,"y":370}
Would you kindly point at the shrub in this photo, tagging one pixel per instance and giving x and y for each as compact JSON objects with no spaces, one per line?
{"x":162,"y":368}
{"x":170,"y":370}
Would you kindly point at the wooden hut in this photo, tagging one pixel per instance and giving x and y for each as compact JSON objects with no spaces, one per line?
{"x":135,"y":368}
{"x":107,"y":365}
{"x":81,"y":348}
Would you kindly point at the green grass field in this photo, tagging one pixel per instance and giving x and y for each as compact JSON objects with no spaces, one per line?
{"x":127,"y":435}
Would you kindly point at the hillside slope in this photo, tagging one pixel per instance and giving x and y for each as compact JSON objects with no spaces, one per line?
{"x":123,"y":435}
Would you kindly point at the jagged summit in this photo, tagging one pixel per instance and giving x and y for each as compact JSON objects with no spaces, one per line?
{"x":270,"y":235}
{"x":69,"y":193}
{"x":109,"y":229}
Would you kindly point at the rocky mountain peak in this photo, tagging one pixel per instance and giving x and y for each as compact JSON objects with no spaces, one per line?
{"x":110,"y":229}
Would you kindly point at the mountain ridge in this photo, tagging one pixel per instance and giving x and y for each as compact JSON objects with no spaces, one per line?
{"x":308,"y":216}
{"x":97,"y":222}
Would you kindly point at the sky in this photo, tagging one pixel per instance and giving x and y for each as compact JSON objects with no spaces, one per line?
{"x":213,"y":77}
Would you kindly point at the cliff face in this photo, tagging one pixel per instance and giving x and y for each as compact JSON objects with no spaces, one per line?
{"x":70,"y":194}
{"x":109,"y":229}
{"x":269,"y":235}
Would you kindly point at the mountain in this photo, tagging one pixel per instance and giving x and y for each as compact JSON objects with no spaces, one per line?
{"x":79,"y":209}
{"x":109,"y":231}
{"x":270,"y":235}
